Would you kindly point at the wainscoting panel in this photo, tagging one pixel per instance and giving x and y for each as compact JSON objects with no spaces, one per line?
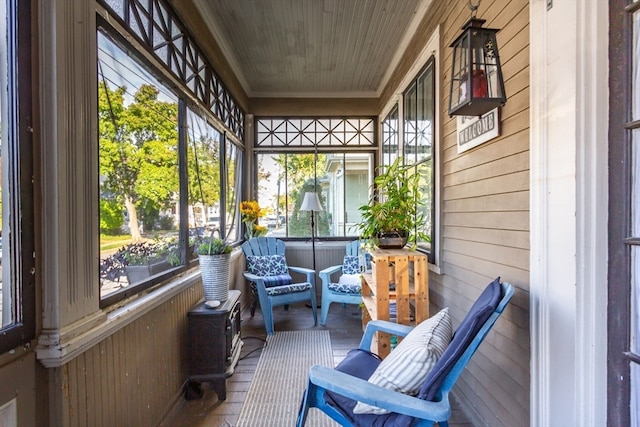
{"x":134,"y":376}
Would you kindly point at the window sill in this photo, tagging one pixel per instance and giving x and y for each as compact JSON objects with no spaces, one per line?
{"x":58,"y":347}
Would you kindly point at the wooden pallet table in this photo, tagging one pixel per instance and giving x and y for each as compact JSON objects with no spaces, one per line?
{"x":408,"y":271}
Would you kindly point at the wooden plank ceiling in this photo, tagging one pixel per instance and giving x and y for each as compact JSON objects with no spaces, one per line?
{"x":312,"y":48}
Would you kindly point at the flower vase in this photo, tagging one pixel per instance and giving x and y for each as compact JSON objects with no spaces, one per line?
{"x":249,"y":233}
{"x":214,"y":270}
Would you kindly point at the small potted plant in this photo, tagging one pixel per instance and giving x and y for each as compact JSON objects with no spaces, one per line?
{"x":145,"y":259}
{"x":214,"y":258}
{"x":393,"y":218}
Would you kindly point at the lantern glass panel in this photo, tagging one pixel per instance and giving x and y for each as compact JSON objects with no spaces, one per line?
{"x":485,"y":65}
{"x":460,"y":84}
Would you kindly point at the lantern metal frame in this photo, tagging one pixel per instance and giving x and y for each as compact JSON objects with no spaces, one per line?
{"x":477,"y":85}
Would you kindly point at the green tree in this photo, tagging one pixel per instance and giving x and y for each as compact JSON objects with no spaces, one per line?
{"x":138,"y":150}
{"x":300,"y":172}
{"x":204,"y":171}
{"x":110,"y":216}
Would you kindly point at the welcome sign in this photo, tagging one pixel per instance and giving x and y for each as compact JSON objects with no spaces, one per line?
{"x":473,"y":131}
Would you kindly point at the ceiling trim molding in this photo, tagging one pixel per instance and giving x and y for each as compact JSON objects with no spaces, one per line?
{"x":224,"y":45}
{"x":404,"y":43}
{"x":368,"y":94}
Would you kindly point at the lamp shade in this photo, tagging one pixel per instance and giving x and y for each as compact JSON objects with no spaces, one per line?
{"x":311,"y":202}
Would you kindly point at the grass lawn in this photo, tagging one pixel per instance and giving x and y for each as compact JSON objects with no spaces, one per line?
{"x":108,"y":243}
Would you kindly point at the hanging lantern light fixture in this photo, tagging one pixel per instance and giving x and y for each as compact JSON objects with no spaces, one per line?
{"x":477,"y":86}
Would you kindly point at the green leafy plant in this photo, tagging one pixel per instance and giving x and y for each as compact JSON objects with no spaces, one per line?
{"x":394,"y":206}
{"x":215,"y":246}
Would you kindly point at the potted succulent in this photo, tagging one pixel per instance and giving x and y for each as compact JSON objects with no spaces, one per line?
{"x":393,"y":218}
{"x":214,"y":258}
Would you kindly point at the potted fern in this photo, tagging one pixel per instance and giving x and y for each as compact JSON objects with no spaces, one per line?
{"x":215,"y":256}
{"x":393,"y":218}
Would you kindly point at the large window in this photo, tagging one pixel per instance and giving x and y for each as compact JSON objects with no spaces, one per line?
{"x":416,"y":142}
{"x":419,"y":120}
{"x":332,"y":156}
{"x":17,"y":267}
{"x":169,"y":170}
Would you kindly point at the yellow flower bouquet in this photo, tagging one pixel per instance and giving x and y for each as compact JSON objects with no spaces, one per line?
{"x":251,"y":212}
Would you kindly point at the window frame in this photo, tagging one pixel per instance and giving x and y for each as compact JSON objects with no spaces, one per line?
{"x":286,"y":135}
{"x":398,"y":112}
{"x":320,"y":216}
{"x":19,"y":136}
{"x":621,"y":238}
{"x":131,"y":43}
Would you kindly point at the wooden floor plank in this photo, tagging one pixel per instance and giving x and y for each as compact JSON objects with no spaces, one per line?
{"x":344,"y":324}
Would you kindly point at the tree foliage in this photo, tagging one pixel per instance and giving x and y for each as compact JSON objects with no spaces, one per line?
{"x":138,"y":152}
{"x":301,"y":170}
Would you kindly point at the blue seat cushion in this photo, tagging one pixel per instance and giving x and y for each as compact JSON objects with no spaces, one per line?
{"x":287,"y":289}
{"x":362,"y":364}
{"x":480,"y":311}
{"x":279,"y":280}
{"x":345,"y":288}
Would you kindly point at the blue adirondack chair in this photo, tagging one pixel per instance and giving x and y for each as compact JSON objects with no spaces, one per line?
{"x":336,"y":391}
{"x":269,"y":274}
{"x":342,"y":291}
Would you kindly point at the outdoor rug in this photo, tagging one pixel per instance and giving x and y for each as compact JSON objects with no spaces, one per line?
{"x":278,"y":384}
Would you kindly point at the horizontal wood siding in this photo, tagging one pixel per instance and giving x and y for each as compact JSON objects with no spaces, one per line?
{"x":485,"y":222}
{"x":484,"y":204}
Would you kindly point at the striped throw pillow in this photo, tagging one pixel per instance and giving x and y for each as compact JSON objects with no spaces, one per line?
{"x":406,"y":367}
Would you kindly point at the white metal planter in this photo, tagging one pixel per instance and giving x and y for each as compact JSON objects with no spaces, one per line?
{"x":214,"y":270}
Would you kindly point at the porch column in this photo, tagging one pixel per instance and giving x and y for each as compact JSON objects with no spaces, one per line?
{"x":569,"y":77}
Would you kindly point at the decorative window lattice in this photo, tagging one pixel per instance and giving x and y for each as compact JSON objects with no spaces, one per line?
{"x":161,"y":31}
{"x":309,"y":132}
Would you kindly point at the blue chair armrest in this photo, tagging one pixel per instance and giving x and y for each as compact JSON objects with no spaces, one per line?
{"x":311,"y":274}
{"x":366,"y":392}
{"x":251,"y":277}
{"x":382,"y":326}
{"x":325,"y":275}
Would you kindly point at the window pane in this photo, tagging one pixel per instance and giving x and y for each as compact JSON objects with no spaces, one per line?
{"x":348,"y":177}
{"x":6,"y":125}
{"x":635,"y":284}
{"x":635,"y":261}
{"x":635,"y":79}
{"x":272,"y":195}
{"x":425,"y":115}
{"x":342,"y":181}
{"x":203,"y":158}
{"x":390,"y":137}
{"x":233,"y":174}
{"x":425,"y":169}
{"x":139,"y":179}
{"x":635,"y":327}
{"x":410,"y":123}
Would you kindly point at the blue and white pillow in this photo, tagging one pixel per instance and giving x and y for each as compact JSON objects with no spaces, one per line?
{"x":259,"y":265}
{"x":407,"y":366}
{"x":351,"y":264}
{"x":272,"y":268}
{"x":267,"y":265}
